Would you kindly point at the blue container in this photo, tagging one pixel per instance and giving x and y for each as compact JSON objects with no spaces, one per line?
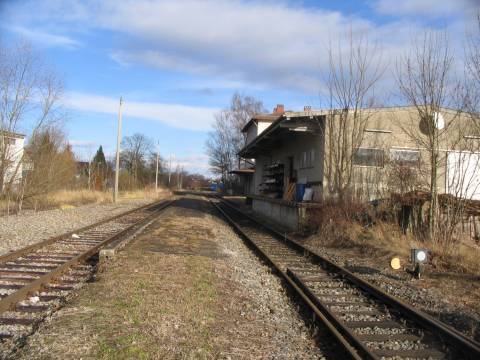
{"x":300,"y":191}
{"x":213,"y":187}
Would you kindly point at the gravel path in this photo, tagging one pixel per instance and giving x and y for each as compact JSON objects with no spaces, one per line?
{"x":17,"y":231}
{"x":270,"y":305}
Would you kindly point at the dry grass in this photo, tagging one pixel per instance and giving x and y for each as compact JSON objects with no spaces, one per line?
{"x":65,"y":199}
{"x":143,"y":194}
{"x":384,"y":240}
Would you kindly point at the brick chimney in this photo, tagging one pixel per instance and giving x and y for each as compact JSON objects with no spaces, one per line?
{"x":307,"y":108}
{"x":279,"y":109}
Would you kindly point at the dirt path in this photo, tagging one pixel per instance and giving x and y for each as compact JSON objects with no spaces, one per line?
{"x":186,"y":289}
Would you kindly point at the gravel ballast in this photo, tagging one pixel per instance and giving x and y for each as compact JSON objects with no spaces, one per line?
{"x":18,"y":231}
{"x":186,"y":288}
{"x":438,"y":302}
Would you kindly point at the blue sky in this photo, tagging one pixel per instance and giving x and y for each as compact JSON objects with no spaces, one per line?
{"x":176,"y":63}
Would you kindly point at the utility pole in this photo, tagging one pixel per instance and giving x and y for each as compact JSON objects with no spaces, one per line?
{"x":117,"y":160}
{"x":156,"y":172}
{"x":169,"y":170}
{"x":177,"y":171}
{"x":181,"y":178}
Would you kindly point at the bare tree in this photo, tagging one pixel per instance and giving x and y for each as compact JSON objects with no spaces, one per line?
{"x":425,"y":81}
{"x":227,"y":139}
{"x":29,"y":100}
{"x":220,"y":147}
{"x":472,"y":62}
{"x":353,"y":72}
{"x":135,"y":152}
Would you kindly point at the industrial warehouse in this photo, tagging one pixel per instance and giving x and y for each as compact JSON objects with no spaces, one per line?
{"x":296,"y":156}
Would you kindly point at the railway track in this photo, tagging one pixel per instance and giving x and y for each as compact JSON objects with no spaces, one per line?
{"x":36,"y":279}
{"x":367,"y":322}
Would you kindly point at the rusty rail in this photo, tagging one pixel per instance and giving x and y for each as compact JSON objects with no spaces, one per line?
{"x":468,"y":347}
{"x":9,"y":301}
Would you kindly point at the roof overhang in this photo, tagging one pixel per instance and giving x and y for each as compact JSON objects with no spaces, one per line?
{"x":242,"y":171}
{"x":282,"y":129}
{"x":11,"y":134}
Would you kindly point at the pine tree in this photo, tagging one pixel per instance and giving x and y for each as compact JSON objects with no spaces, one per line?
{"x":99,"y":167}
{"x":99,"y":158}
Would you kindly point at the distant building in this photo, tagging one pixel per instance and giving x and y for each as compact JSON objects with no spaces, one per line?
{"x":257,"y":124}
{"x":11,"y":159}
{"x":293,"y":156}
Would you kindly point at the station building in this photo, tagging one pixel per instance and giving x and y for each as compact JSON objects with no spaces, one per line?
{"x":293,"y":157}
{"x":252,"y":129}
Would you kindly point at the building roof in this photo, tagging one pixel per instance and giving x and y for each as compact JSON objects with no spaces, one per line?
{"x":290,"y":122}
{"x":12,"y":134}
{"x":262,"y":118}
{"x":243,"y":171}
{"x":280,"y":128}
{"x":317,"y":112}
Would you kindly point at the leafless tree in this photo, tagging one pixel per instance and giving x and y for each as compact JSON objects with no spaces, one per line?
{"x":426,"y":81}
{"x":472,"y":61}
{"x":220,"y":147}
{"x":29,"y":101}
{"x":355,"y":67}
{"x":227,"y":139}
{"x":135,"y":152}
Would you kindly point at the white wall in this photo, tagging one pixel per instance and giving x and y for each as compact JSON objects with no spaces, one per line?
{"x":262,"y":125}
{"x":15,"y":154}
{"x":256,"y":129}
{"x":463,"y":174}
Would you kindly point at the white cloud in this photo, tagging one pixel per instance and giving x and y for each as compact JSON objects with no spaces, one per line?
{"x":429,"y":8}
{"x":174,"y":115}
{"x":191,"y":163}
{"x":44,"y":38}
{"x":267,"y":44}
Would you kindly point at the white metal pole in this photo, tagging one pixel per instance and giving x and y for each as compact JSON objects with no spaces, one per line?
{"x":181,"y":177}
{"x":169,"y":170}
{"x":117,"y":159}
{"x":156,"y":172}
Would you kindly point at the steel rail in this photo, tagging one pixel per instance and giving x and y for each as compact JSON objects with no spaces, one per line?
{"x":461,"y":343}
{"x":350,"y":351}
{"x":17,"y":253}
{"x":9,"y":301}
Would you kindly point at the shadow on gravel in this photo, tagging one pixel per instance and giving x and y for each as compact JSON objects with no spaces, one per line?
{"x":195,"y":203}
{"x":366,"y":270}
{"x":461,"y":320}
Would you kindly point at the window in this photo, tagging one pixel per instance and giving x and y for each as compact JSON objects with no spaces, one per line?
{"x":368,"y":157}
{"x":405,"y":157}
{"x":307,"y":159}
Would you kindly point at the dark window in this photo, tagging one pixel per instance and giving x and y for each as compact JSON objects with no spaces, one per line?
{"x":405,"y":157}
{"x":307,"y":159}
{"x":368,"y":157}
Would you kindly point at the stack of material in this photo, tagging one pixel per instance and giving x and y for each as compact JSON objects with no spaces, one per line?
{"x":289,"y":193}
{"x":470,"y":207}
